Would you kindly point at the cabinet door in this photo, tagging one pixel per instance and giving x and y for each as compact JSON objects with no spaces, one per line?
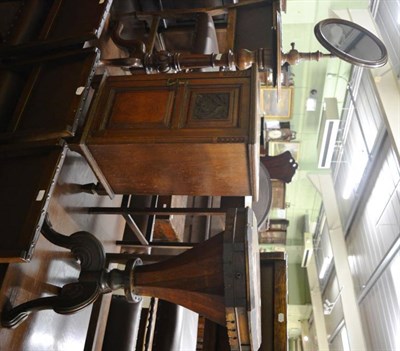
{"x":218,"y":109}
{"x":173,"y":110}
{"x":128,"y":108}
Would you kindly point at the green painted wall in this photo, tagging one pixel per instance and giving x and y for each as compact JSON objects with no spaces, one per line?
{"x":299,"y":291}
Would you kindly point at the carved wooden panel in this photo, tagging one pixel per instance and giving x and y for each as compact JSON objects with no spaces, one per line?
{"x":211,"y":107}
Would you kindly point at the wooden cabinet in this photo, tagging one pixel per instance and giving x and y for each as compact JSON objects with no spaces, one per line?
{"x":273,"y":267}
{"x":176,"y":134}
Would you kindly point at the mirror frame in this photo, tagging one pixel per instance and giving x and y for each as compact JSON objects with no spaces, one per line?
{"x":347,"y":57}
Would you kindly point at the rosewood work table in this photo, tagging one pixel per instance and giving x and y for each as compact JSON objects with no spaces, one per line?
{"x":219,"y":279}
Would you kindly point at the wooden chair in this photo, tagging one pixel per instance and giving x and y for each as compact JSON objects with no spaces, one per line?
{"x":44,"y":25}
{"x":141,"y":226}
{"x":140,"y":222}
{"x":123,"y":324}
{"x":28,"y":173}
{"x":282,"y":166}
{"x":253,"y":25}
{"x":45,"y":98}
{"x":193,"y":32}
{"x":252,"y":16}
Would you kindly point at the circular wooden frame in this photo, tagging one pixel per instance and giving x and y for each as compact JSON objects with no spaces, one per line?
{"x":318,"y":31}
{"x":263,"y":205}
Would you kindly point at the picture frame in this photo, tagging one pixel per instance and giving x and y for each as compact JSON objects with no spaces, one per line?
{"x":272,"y":237}
{"x":279,"y":147}
{"x":276,"y":105}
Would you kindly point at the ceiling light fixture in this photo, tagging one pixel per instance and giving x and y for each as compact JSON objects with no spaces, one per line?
{"x":311,"y":103}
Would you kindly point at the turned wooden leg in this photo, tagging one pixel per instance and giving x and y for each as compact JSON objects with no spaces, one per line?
{"x":93,"y":279}
{"x":73,"y":297}
{"x":86,"y":248}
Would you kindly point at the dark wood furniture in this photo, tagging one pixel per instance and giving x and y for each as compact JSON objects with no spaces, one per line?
{"x":219,"y":278}
{"x":282,"y":166}
{"x":52,"y":98}
{"x":28,"y":174}
{"x":145,"y":241}
{"x":273,"y":268}
{"x":122,"y":336}
{"x":162,"y":325}
{"x":186,"y":134}
{"x":274,"y":289}
{"x":170,"y":227}
{"x":44,"y":25}
{"x":263,"y":47}
{"x":275,"y":233}
{"x":193,"y":33}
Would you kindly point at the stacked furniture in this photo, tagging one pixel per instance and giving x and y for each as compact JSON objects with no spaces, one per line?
{"x":212,"y":128}
{"x":45,"y":77}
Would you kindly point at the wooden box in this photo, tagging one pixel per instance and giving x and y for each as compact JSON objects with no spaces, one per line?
{"x":28,"y":174}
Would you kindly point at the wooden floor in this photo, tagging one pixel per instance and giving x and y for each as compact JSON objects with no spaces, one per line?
{"x":52,"y":267}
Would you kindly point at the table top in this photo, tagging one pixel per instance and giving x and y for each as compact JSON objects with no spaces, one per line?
{"x":27,"y":177}
{"x":242,"y":279}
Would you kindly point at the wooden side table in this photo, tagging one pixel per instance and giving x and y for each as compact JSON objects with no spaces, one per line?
{"x":219,"y":279}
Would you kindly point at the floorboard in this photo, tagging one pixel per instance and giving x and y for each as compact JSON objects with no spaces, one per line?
{"x":52,"y":267}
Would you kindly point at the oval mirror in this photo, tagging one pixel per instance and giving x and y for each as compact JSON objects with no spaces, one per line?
{"x":351,"y":42}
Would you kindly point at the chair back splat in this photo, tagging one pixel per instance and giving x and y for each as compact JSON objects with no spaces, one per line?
{"x":282,"y":166}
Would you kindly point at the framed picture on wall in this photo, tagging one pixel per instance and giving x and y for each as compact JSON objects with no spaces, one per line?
{"x":278,"y":147}
{"x":272,"y":237}
{"x":276,"y":105}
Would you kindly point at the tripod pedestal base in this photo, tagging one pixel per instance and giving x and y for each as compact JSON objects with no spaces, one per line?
{"x":93,"y":279}
{"x":218,"y":279}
